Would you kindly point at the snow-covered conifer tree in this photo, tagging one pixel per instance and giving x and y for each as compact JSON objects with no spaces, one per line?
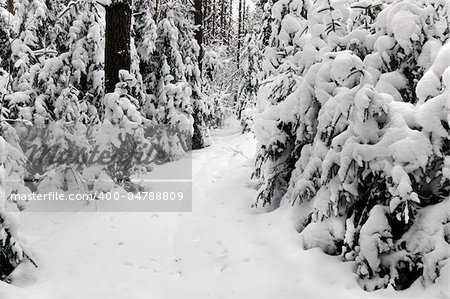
{"x":274,"y":125}
{"x":248,"y":88}
{"x":143,"y":47}
{"x":172,"y":105}
{"x":12,"y":159}
{"x":12,"y":173}
{"x":369,"y":136}
{"x":121,"y":134}
{"x":81,"y":63}
{"x":26,"y":35}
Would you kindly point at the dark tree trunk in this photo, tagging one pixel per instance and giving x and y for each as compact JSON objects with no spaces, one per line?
{"x":223,"y":32}
{"x":229,"y":23}
{"x":10,"y":6}
{"x":240,"y":20}
{"x":156,"y":16}
{"x":198,"y":19}
{"x":198,"y":138}
{"x":208,"y":12}
{"x":244,"y":18}
{"x":214,"y":13}
{"x":117,"y":41}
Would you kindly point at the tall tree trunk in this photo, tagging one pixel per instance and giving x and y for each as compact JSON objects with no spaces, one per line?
{"x":223,"y":30}
{"x":230,"y":22}
{"x":117,"y":41}
{"x":213,"y":26}
{"x":244,"y":18}
{"x":198,"y":19}
{"x":10,"y":6}
{"x":198,"y":138}
{"x":156,"y":16}
{"x":240,"y":20}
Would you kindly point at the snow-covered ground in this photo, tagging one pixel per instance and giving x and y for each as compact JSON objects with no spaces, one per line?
{"x":223,"y":249}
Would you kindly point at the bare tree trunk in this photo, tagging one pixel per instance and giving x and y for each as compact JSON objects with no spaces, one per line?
{"x":156,"y":16}
{"x":223,"y":31}
{"x":198,"y":19}
{"x":240,"y":20}
{"x":198,"y":137}
{"x":213,"y":25}
{"x":230,"y":22}
{"x":117,"y":42}
{"x":10,"y":6}
{"x":244,"y":18}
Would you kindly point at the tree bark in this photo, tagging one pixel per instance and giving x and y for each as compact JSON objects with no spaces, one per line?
{"x":244,"y":18}
{"x":117,"y":41}
{"x":213,"y":33}
{"x":229,"y":24}
{"x":198,"y":19}
{"x":156,"y":16}
{"x":10,"y":6}
{"x":223,"y":31}
{"x":198,"y":138}
{"x":240,"y":20}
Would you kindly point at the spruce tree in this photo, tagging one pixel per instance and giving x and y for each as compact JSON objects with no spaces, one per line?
{"x":248,"y":89}
{"x":369,"y":150}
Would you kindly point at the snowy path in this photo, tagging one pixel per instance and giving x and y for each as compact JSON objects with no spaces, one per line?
{"x":223,"y":249}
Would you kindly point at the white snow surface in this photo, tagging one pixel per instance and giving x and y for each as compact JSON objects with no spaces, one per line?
{"x":223,"y":249}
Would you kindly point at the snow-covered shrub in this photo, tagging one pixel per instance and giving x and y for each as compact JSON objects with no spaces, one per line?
{"x":276,"y":135}
{"x":12,"y":172}
{"x":248,"y":88}
{"x":85,"y":54}
{"x":143,"y":48}
{"x":375,"y":244}
{"x":120,"y":140}
{"x":168,"y":61}
{"x":6,"y":31}
{"x":58,"y":153}
{"x":15,"y":58}
{"x":190,"y":51}
{"x":274,"y":122}
{"x":12,"y":159}
{"x":363,"y":136}
{"x":13,"y":162}
{"x":74,"y":60}
{"x":173,"y":109}
{"x":12,"y":251}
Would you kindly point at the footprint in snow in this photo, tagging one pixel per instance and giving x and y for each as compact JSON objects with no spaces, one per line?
{"x":178,"y":273}
{"x":197,"y":237}
{"x":220,"y":268}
